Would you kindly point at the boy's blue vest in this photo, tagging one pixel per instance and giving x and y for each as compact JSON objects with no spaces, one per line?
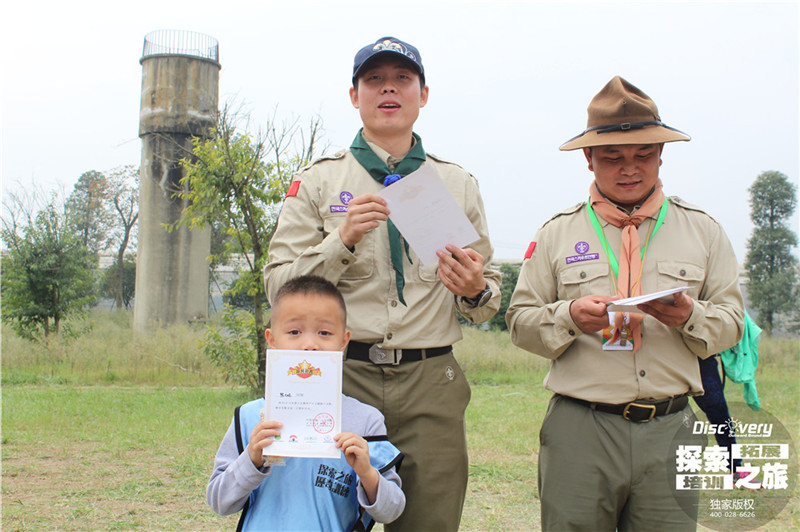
{"x":308,"y":493}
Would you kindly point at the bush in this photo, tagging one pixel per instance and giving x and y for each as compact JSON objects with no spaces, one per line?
{"x":231,"y":346}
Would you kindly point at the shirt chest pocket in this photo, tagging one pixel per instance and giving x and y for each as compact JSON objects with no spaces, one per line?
{"x":672,"y":274}
{"x":583,"y":280}
{"x":364,"y":265}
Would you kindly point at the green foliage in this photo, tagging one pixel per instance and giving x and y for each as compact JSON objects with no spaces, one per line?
{"x":87,"y":212}
{"x":122,"y":203}
{"x":47,"y":268}
{"x":236,"y":181}
{"x":231,"y":346}
{"x":119,"y":283}
{"x":510,"y":275}
{"x":770,"y":264}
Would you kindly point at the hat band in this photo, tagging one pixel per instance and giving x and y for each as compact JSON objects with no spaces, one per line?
{"x":627,"y":126}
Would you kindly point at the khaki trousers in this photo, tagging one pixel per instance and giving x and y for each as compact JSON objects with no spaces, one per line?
{"x":423,"y":403}
{"x":601,"y":472}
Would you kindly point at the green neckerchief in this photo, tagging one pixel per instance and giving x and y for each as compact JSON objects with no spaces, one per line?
{"x":379,"y":170}
{"x":612,"y":259}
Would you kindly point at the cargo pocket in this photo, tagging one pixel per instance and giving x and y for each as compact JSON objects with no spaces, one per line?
{"x":672,"y":274}
{"x":584,"y":280}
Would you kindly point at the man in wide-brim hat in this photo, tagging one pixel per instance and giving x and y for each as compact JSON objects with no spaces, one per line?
{"x":621,"y":380}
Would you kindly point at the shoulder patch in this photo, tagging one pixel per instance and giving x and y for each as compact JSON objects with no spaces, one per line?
{"x":293,"y":188}
{"x":529,"y":252}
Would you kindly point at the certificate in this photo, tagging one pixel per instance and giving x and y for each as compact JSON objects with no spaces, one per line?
{"x":303,"y":390}
{"x":427,"y":214}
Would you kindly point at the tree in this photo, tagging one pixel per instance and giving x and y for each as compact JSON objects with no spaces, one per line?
{"x":239,"y":181}
{"x":770,"y":264}
{"x":510,"y":274}
{"x":119,"y":282}
{"x":122,"y":202}
{"x":88,"y":215}
{"x":47,"y":268}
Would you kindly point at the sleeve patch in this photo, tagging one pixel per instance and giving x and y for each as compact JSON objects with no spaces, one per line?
{"x":531,"y":247}
{"x":293,"y":188}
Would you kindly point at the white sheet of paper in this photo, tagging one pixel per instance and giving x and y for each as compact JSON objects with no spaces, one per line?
{"x":629,"y":304}
{"x":427,"y":214}
{"x":303,"y":390}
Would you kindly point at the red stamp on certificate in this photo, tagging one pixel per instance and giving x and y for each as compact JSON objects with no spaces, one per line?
{"x":323,"y":423}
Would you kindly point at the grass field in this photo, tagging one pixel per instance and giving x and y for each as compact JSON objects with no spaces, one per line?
{"x":107,"y":431}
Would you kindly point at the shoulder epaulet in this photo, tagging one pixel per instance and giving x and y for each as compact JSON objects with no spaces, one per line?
{"x":566,"y":212}
{"x":451,"y":163}
{"x":328,"y":157}
{"x":438,"y":159}
{"x":675,"y":200}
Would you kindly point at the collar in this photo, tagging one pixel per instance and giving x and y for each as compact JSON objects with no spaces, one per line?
{"x":390,"y":160}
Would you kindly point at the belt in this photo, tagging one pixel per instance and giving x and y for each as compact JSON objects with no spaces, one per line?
{"x":378,"y":355}
{"x":639,"y":411}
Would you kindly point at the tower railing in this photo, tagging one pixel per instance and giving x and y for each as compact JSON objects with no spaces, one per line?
{"x":180,"y":42}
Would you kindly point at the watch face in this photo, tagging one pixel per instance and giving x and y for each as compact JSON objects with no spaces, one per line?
{"x":484,"y":297}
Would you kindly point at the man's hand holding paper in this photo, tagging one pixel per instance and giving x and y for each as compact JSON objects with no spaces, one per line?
{"x":672,"y":314}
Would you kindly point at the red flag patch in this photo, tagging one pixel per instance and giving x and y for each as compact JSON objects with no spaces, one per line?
{"x":531,"y":247}
{"x":293,"y":188}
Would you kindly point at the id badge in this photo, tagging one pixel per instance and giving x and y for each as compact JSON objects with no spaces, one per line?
{"x":618,"y":339}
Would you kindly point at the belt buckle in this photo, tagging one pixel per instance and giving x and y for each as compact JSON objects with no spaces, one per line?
{"x":379,"y":355}
{"x":627,"y":410}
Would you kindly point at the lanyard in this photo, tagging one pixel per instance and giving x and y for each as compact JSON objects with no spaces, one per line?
{"x":612,"y":259}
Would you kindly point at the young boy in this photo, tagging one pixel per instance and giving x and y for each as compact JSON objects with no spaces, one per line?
{"x":308,"y":313}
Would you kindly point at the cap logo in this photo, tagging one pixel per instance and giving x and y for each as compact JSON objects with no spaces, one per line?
{"x":394,"y":46}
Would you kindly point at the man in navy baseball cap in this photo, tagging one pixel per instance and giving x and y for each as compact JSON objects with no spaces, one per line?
{"x":388,"y":46}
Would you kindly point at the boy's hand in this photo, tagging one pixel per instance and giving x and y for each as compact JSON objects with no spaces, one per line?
{"x":262,"y":436}
{"x":356,"y":452}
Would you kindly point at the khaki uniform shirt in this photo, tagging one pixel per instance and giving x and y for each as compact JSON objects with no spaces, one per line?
{"x":690,"y":249}
{"x":307,"y":241}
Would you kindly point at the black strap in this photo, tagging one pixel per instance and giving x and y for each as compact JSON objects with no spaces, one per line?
{"x":240,"y":448}
{"x":359,"y":525}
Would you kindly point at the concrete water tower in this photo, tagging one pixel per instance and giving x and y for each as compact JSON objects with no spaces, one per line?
{"x":180,"y":96}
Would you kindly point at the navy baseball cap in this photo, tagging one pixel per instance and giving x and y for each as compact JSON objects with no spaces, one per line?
{"x":385,"y":46}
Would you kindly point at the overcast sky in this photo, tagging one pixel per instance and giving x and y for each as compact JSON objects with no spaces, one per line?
{"x":509,"y":82}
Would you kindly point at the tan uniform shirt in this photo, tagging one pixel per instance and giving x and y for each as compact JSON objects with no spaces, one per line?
{"x":307,"y":241}
{"x":690,"y":249}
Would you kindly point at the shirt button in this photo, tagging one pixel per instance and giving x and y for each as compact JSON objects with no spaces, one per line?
{"x":389,"y":336}
{"x":691,"y":327}
{"x":683,"y":272}
{"x":345,"y":261}
{"x":394,"y":303}
{"x":583,"y":275}
{"x":571,"y":332}
{"x":642,"y":373}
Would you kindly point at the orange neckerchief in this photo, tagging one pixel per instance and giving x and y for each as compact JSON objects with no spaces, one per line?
{"x":630,"y":258}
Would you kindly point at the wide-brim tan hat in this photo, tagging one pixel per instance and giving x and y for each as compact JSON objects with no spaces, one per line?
{"x":622,"y":114}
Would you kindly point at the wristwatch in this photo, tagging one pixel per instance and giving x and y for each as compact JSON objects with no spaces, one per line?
{"x":479,"y":300}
